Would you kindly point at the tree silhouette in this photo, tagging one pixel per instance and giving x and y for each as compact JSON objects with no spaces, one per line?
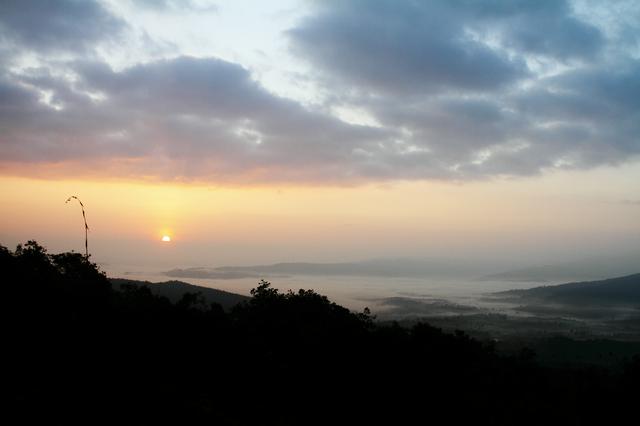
{"x":75,"y":348}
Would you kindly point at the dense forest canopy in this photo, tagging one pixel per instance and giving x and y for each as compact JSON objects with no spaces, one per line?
{"x":79,"y":350}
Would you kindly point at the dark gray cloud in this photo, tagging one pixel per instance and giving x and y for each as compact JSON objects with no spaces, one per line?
{"x":53,"y":26}
{"x":407,"y":47}
{"x":450,"y":76}
{"x":400,"y":47}
{"x":460,"y":89}
{"x":543,"y":27}
{"x":183,"y":118}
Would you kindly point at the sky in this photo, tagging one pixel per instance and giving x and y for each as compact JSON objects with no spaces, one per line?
{"x":258,"y":132}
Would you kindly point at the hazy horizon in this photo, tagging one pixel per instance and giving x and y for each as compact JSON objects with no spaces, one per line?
{"x":500,"y":134}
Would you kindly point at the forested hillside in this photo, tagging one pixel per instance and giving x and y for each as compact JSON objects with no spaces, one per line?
{"x":76,"y":350}
{"x":621,"y":291}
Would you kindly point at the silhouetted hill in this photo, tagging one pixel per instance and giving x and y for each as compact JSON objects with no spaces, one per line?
{"x":623,"y":291}
{"x":175,"y":290}
{"x":75,"y":350}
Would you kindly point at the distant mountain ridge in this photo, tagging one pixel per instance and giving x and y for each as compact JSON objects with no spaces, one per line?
{"x":586,"y":269}
{"x":395,"y":267}
{"x":211,"y":273}
{"x":174,"y":290}
{"x":623,"y":291}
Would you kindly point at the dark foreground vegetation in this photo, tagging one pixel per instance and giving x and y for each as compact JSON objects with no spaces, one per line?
{"x":76,"y":350}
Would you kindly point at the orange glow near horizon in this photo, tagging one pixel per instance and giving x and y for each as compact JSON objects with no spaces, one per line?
{"x":319,"y":223}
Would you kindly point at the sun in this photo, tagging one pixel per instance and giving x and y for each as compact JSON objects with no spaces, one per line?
{"x":166,"y":238}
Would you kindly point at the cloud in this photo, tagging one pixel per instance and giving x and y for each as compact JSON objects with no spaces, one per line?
{"x":184,"y":118}
{"x":546,"y":28}
{"x":478,"y":89}
{"x":199,"y":6}
{"x":57,"y":26}
{"x":400,"y":48}
{"x":456,"y":90}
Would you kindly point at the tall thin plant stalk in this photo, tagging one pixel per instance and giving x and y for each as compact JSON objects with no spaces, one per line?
{"x":86,"y":227}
